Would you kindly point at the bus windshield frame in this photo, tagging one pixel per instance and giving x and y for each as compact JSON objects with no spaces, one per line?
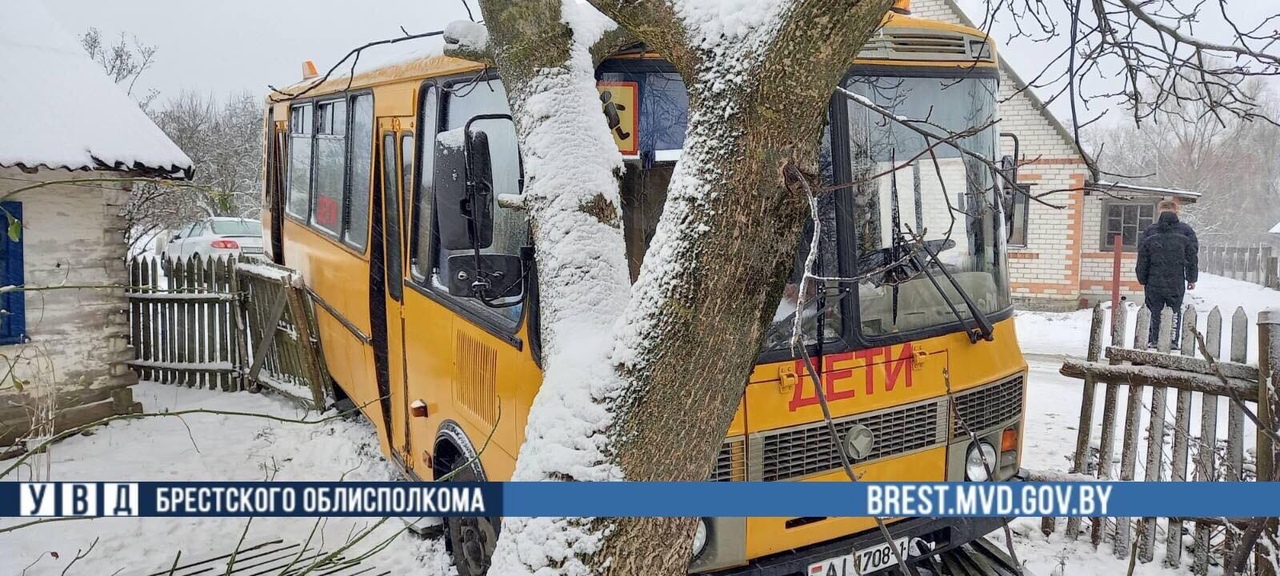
{"x":894,"y":299}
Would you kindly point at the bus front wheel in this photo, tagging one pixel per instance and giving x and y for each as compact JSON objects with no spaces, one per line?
{"x":471,"y":540}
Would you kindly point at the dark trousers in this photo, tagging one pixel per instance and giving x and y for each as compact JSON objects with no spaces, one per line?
{"x":1156,"y":302}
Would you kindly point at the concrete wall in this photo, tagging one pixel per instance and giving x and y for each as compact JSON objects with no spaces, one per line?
{"x":73,"y":235}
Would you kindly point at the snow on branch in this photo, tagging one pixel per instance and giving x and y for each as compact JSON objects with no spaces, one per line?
{"x":468,"y":40}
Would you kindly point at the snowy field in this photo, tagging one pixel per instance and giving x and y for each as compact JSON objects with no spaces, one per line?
{"x":209,"y":446}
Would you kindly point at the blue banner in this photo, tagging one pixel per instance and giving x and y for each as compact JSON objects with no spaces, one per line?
{"x":776,"y":499}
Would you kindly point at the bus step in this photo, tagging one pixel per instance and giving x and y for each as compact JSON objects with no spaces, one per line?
{"x":273,"y":557}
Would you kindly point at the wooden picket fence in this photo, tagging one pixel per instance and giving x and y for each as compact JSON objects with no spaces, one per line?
{"x":182,"y":322}
{"x":1257,"y":264}
{"x":1139,"y":381}
{"x":226,"y":325}
{"x":280,"y":321}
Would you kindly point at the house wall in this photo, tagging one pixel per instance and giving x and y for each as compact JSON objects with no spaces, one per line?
{"x":1096,"y":270}
{"x":1059,"y":263}
{"x":73,"y":235}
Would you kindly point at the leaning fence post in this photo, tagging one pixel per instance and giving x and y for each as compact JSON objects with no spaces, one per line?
{"x":1268,"y":410}
{"x":1132,"y":425}
{"x":1155,"y":435}
{"x":1205,"y":469}
{"x":1181,"y":439}
{"x":1080,"y":464}
{"x":1106,"y":445}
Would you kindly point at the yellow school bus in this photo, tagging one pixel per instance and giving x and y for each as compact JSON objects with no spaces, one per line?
{"x":912,"y":333}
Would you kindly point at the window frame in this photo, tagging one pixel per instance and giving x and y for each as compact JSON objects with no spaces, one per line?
{"x":389,"y":176}
{"x":844,"y":176}
{"x":359,"y":245}
{"x":14,"y":331}
{"x":316,"y":137}
{"x":289,"y":175}
{"x":305,"y":220}
{"x":1104,"y":243}
{"x":477,"y":314}
{"x":423,"y":147}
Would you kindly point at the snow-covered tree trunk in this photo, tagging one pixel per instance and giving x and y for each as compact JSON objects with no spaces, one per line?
{"x":652,"y":398}
{"x":571,"y":169}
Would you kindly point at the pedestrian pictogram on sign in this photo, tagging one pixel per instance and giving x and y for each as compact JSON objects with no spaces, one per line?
{"x":619,"y":102}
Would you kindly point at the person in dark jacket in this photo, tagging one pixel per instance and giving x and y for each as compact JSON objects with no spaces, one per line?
{"x":1183,"y":228}
{"x":1167,"y":267}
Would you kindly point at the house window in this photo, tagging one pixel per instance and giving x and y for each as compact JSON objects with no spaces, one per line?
{"x":13,"y":318}
{"x":1019,"y":202}
{"x":1128,"y":219}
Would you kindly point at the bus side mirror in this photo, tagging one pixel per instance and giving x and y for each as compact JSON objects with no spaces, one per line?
{"x":488,"y":277}
{"x":464,"y":190}
{"x":1008,"y":171}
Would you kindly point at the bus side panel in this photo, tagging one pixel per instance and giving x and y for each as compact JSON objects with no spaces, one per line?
{"x":329,"y":270}
{"x":429,"y":357}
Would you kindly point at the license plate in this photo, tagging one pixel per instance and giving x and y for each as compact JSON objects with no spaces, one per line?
{"x":865,"y":561}
{"x":251,"y":250}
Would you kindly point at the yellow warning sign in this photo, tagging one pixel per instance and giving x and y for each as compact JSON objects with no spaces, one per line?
{"x":620,"y":102}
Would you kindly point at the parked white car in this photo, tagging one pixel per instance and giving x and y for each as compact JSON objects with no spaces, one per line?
{"x":216,"y":237}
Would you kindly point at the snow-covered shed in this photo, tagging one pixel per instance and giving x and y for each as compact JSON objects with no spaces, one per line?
{"x":71,"y":142}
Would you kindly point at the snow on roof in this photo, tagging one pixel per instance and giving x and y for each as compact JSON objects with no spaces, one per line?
{"x":58,"y":109}
{"x":1122,"y":188}
{"x":1276,"y":229}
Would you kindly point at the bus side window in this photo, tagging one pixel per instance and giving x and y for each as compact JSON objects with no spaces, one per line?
{"x":300,"y":136}
{"x":391,"y":211}
{"x":510,"y":227}
{"x":420,"y":240}
{"x":406,"y":169}
{"x":360,"y":158}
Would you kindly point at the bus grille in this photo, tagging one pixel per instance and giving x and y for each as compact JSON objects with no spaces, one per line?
{"x":804,"y":450}
{"x":988,"y":406}
{"x":731,"y":463}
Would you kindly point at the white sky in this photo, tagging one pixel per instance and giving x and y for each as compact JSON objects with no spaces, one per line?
{"x":222,"y":46}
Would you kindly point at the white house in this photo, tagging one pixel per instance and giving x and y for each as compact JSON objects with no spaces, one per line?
{"x":70,"y":143}
{"x":1062,"y":255}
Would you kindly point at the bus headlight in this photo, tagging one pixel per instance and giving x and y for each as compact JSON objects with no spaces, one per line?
{"x":974,"y":468}
{"x":700,"y":538}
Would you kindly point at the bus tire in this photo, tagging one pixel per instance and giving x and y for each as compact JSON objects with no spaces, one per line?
{"x":471,"y":541}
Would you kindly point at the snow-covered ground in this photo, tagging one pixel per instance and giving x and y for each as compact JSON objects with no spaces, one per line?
{"x":208,"y":446}
{"x":1054,"y":334}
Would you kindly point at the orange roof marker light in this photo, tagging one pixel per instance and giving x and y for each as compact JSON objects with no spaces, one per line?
{"x":901,"y":6}
{"x":309,"y":70}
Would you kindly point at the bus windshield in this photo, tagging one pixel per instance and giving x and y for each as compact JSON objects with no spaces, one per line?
{"x":919,"y":208}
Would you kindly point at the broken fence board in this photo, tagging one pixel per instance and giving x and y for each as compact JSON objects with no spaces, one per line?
{"x":1151,"y":376}
{"x":1182,"y":362}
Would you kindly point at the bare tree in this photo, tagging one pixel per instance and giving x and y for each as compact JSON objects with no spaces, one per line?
{"x":124,"y":61}
{"x":224,"y":141}
{"x":1229,"y":159}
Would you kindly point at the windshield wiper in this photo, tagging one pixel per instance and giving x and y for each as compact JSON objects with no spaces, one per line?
{"x":984,"y":325}
{"x":984,"y":329}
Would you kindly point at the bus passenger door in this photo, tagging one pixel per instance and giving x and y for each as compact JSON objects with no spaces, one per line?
{"x":390,"y":353}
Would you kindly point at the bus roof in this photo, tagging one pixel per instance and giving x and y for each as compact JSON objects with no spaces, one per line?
{"x":424,"y":58}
